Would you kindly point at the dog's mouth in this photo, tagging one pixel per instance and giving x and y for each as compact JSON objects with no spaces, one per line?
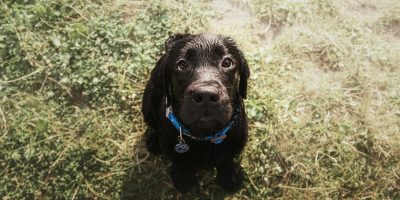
{"x":205,"y":122}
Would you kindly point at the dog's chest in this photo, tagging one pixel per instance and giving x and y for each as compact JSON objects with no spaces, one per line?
{"x":204,"y":154}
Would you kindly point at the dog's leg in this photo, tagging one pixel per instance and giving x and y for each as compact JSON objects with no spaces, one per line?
{"x":152,"y":143}
{"x":183,"y":177}
{"x":230,"y":176}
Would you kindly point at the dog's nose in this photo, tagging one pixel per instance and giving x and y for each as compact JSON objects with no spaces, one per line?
{"x":202,"y":95}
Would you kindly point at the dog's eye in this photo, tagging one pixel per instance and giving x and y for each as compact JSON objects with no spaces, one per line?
{"x":227,"y":62}
{"x":182,"y":65}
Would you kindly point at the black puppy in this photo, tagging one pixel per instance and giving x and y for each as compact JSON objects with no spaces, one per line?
{"x":193,"y":106}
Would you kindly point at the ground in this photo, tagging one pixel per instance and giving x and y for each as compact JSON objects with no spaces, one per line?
{"x":323,"y":103}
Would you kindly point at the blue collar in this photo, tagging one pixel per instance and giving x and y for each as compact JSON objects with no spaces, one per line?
{"x":216,"y":139}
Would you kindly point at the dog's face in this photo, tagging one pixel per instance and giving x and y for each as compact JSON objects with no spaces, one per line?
{"x":204,"y":74}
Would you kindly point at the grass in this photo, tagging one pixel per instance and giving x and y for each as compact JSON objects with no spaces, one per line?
{"x":324,"y":99}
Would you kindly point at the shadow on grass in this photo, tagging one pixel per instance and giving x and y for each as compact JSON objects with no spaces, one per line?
{"x":149,"y":179}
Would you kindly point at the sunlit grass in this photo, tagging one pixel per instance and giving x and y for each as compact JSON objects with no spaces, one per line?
{"x":323,"y":103}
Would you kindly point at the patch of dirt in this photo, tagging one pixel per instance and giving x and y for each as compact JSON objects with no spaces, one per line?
{"x":367,"y":8}
{"x":393,"y":27}
{"x":362,"y":12}
{"x":315,"y":81}
{"x":229,"y":15}
{"x":235,"y":19}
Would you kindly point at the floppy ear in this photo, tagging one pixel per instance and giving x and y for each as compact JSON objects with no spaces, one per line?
{"x":244,"y":71}
{"x":160,"y":75}
{"x":244,"y":75}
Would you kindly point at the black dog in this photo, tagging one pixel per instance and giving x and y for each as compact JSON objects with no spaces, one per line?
{"x":193,"y":105}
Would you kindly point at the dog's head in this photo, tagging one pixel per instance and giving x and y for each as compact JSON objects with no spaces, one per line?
{"x":203,"y":76}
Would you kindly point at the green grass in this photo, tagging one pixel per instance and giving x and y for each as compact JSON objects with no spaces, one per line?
{"x":324,"y":99}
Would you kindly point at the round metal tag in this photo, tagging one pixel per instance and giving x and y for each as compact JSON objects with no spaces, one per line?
{"x":181,"y":148}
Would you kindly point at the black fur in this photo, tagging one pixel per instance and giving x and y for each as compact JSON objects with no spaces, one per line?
{"x":162,"y":136}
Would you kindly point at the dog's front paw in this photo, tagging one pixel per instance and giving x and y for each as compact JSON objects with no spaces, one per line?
{"x":183,"y":178}
{"x":230,"y":177}
{"x":152,"y":144}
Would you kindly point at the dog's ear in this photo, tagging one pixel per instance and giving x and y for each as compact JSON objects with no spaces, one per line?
{"x":160,"y":76}
{"x":244,"y":72}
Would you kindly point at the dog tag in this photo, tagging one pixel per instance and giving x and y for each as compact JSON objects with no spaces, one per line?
{"x":181,"y":148}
